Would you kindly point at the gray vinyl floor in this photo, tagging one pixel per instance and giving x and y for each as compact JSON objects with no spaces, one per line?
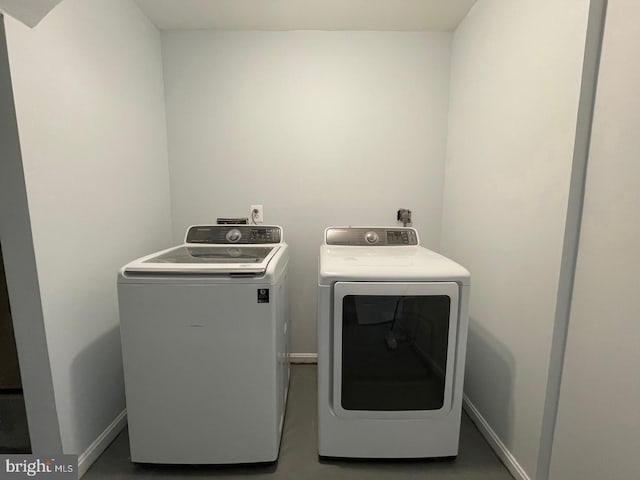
{"x":298,"y":455}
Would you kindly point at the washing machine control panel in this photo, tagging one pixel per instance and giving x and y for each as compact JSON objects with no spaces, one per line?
{"x":234,"y":234}
{"x":371,"y":236}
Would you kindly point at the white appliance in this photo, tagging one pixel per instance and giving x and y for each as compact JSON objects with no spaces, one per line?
{"x":392,"y":332}
{"x":205,"y":344}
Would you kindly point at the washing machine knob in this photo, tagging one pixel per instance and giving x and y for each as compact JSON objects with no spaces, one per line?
{"x":234,"y":235}
{"x":371,"y":237}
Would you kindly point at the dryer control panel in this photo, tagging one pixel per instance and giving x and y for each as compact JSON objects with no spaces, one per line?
{"x":370,"y":236}
{"x":234,"y":234}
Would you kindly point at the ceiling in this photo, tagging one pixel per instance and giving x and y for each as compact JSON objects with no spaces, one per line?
{"x":28,"y":12}
{"x":403,"y":15}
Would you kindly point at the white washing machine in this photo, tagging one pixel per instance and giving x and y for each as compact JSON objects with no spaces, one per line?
{"x":205,"y":344}
{"x":392,"y":332}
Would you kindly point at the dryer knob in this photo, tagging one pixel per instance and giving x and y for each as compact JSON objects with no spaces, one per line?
{"x":371,"y":237}
{"x":234,"y":235}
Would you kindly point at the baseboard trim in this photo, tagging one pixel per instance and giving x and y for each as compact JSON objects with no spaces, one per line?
{"x":494,"y":441}
{"x":91,"y":454}
{"x":303,"y":357}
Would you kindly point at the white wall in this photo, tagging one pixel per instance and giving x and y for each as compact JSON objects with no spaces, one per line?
{"x":22,"y":277}
{"x":322,"y":128}
{"x":515,"y":82}
{"x":597,"y":430}
{"x":89,"y":100}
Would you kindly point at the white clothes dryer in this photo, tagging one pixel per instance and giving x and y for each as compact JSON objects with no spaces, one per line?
{"x":205,"y":344}
{"x":392,"y":332}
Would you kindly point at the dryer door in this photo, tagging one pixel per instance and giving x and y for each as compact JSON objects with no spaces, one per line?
{"x":394,"y":348}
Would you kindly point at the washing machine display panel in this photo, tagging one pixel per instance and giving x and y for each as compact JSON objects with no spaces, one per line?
{"x":395,"y":346}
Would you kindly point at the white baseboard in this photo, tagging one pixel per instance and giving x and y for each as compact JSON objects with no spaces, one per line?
{"x":494,"y":441}
{"x":303,"y":357}
{"x":91,"y":454}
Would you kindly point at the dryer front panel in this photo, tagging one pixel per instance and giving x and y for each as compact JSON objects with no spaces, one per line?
{"x":394,"y":348}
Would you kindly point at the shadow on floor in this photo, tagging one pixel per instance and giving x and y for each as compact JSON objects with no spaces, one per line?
{"x":299,"y":457}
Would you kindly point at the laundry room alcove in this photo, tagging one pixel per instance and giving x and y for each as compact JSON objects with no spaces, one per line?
{"x":126,"y":121}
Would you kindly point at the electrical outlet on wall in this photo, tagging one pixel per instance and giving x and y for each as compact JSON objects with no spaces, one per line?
{"x":257,"y":214}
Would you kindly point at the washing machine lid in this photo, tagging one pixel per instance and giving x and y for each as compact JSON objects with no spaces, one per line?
{"x":216,"y":250}
{"x":190,"y":254}
{"x":207,"y":259}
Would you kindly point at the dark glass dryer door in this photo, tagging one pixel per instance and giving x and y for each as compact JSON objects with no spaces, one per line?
{"x":394,"y":348}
